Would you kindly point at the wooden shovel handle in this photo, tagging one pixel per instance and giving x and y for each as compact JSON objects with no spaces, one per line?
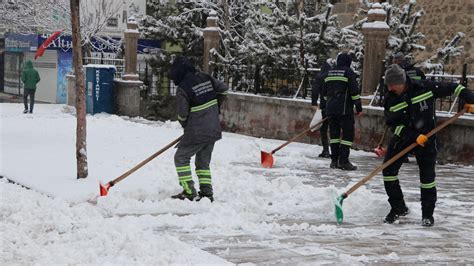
{"x":403,"y":152}
{"x":298,"y":136}
{"x":138,"y":166}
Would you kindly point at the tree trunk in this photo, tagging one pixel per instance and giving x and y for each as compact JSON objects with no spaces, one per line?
{"x":81,"y":133}
{"x":227,"y":29}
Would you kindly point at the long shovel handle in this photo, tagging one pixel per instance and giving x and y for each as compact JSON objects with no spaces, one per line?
{"x":403,"y":152}
{"x":138,"y":166}
{"x":298,"y":136}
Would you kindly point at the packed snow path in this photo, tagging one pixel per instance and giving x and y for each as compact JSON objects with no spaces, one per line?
{"x":282,"y":215}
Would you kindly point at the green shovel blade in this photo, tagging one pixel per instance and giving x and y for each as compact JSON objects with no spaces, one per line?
{"x":338,"y":207}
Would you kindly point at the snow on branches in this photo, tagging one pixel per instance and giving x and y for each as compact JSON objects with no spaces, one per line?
{"x":279,"y":34}
{"x":440,"y":58}
{"x":47,"y":16}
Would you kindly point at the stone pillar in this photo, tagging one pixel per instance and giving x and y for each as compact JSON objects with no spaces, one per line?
{"x":211,"y":39}
{"x":131,"y":43}
{"x":127,"y":97}
{"x":376,"y":32}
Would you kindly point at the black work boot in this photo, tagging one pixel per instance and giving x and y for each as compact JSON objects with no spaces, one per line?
{"x":396,"y":212}
{"x":183,"y":195}
{"x":347,"y":166}
{"x":427,"y":221}
{"x":325,"y":153}
{"x":427,"y":209}
{"x":333,"y":164}
{"x":202,"y":195}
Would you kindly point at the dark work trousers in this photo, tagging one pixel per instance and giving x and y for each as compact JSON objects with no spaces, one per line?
{"x":182,"y":159}
{"x":426,"y":159}
{"x":30,"y":92}
{"x":324,"y":132}
{"x":341,"y":130}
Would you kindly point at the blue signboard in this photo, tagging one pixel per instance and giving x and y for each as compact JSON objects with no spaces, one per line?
{"x":15,"y":42}
{"x":64,"y":66}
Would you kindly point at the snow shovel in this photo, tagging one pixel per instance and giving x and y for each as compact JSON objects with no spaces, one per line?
{"x":104,"y":189}
{"x":381,"y":151}
{"x":267,"y":158}
{"x":338,"y":200}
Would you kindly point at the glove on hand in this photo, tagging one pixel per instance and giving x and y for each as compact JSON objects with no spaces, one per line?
{"x":470,"y":107}
{"x":421,"y":139}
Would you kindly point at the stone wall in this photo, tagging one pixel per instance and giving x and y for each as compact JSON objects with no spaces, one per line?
{"x":345,"y":11}
{"x":275,"y":118}
{"x":441,"y":21}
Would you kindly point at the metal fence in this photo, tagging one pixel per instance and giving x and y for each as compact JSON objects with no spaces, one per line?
{"x":106,"y":59}
{"x":262,"y":80}
{"x":268,"y":81}
{"x":156,"y":80}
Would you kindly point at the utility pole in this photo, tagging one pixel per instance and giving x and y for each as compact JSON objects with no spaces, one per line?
{"x":81,"y":132}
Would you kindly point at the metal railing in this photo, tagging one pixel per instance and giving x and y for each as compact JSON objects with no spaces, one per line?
{"x":156,"y":80}
{"x":268,"y":81}
{"x":106,"y":59}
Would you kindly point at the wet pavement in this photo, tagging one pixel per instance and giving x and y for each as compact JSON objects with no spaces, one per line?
{"x":366,"y":240}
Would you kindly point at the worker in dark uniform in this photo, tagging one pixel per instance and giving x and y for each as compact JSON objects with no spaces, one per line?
{"x":317,"y":84}
{"x":414,"y":73}
{"x":410,"y":114}
{"x":342,"y":93}
{"x":198,"y":98}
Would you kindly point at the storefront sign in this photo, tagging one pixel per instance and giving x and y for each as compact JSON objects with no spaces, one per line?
{"x":64,"y":43}
{"x":15,"y":42}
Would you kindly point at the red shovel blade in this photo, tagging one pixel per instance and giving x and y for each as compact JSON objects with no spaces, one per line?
{"x":267,"y":159}
{"x":380,"y":151}
{"x":104,"y":189}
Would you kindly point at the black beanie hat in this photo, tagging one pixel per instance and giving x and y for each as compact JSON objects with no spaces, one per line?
{"x":395,"y":75}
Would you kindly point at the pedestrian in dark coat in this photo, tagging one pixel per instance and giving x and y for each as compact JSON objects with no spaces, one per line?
{"x":30,"y":77}
{"x":342,"y":93}
{"x":198,"y":99}
{"x":317,"y":85}
{"x":410,"y":114}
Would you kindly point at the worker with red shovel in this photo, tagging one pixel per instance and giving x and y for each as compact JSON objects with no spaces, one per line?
{"x":342,"y":94}
{"x":198,"y":98}
{"x":410,"y":114}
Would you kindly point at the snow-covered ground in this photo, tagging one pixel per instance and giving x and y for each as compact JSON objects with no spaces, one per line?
{"x":282,"y":215}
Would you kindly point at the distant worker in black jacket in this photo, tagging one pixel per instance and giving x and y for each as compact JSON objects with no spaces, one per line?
{"x":342,"y":93}
{"x":317,"y":85}
{"x":414,"y":73}
{"x":410,"y":114}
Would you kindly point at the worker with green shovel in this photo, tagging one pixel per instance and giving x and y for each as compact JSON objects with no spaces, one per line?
{"x":410,"y":114}
{"x":198,"y":99}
